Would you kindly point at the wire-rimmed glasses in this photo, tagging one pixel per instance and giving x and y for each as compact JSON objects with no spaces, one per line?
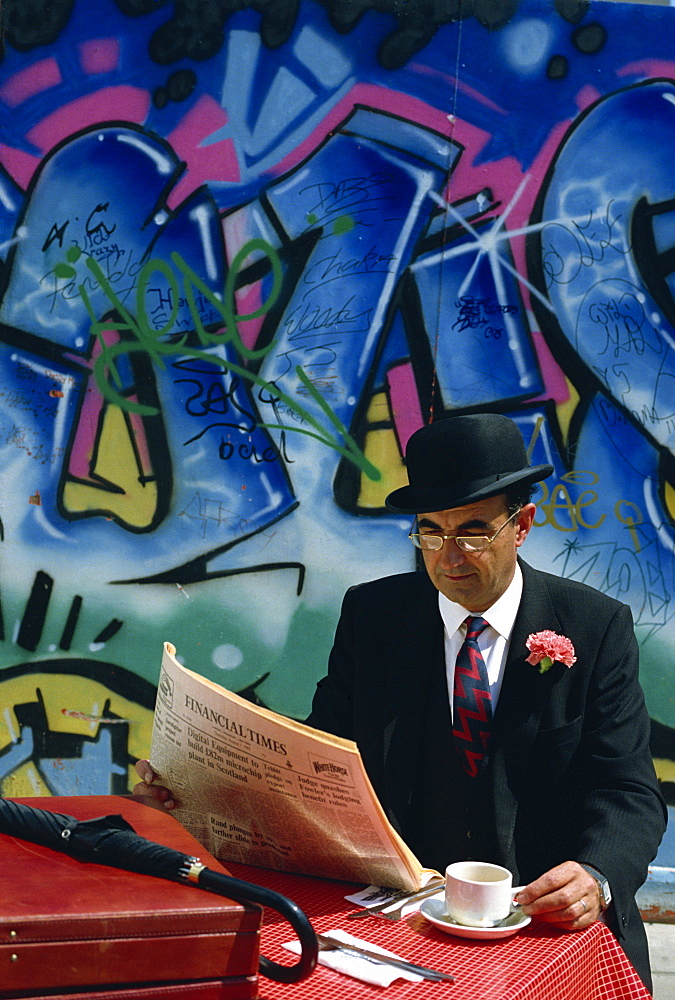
{"x":433,"y":542}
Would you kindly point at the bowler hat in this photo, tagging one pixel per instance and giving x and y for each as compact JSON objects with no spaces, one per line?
{"x":459,"y":460}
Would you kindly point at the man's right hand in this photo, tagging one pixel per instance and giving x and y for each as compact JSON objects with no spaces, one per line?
{"x":151,"y":794}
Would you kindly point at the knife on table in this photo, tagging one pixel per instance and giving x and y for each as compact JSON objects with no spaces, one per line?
{"x":327,"y":943}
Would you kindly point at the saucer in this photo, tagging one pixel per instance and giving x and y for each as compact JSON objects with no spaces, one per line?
{"x":433,"y":910}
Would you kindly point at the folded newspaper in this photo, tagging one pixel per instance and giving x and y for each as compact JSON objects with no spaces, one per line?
{"x":261,"y":789}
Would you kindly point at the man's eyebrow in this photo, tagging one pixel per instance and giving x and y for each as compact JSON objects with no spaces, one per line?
{"x":476,"y":524}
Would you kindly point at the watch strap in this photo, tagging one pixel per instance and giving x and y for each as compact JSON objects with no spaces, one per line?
{"x":602,"y":883}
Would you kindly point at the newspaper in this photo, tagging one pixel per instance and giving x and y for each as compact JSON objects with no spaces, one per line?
{"x":261,"y":789}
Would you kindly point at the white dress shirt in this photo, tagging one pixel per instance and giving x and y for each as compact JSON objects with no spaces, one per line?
{"x":493,"y":641}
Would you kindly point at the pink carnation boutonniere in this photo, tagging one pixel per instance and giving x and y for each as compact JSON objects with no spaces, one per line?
{"x":547,"y":648}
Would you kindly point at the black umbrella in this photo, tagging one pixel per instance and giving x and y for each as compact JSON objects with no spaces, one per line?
{"x":110,"y":840}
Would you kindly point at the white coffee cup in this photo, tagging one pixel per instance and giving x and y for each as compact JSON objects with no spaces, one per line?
{"x":477,"y":893}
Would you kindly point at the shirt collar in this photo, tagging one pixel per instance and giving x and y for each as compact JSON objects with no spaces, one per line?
{"x":501,"y":616}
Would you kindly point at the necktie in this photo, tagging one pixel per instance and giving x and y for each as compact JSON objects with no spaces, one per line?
{"x":472,"y":703}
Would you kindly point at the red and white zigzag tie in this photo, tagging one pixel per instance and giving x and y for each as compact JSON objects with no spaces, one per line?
{"x":472,"y":702}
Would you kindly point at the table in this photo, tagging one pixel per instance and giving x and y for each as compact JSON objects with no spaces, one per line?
{"x":538,"y":963}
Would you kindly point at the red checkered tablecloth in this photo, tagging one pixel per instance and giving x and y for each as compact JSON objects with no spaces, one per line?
{"x":538,"y":963}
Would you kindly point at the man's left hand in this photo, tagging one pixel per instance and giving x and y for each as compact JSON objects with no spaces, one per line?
{"x":566,"y":896}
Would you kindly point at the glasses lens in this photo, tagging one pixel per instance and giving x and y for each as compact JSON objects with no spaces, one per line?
{"x":472,"y":543}
{"x":430,"y":543}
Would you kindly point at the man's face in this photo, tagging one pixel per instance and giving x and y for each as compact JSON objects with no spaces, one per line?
{"x":475,"y":579}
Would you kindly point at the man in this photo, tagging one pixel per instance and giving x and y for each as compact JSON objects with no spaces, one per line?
{"x":552,"y":777}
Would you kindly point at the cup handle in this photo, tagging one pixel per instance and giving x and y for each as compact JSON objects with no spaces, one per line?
{"x":514,"y":892}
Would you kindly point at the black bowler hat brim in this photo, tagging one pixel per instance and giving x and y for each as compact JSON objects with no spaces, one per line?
{"x":460,"y":460}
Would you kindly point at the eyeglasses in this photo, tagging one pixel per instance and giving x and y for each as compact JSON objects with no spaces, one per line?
{"x":467,"y":543}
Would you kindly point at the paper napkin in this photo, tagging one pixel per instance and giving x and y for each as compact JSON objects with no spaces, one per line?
{"x":356,"y":967}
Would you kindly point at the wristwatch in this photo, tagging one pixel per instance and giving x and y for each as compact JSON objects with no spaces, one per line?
{"x":602,"y":884}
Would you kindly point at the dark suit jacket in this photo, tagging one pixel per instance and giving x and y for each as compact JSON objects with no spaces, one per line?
{"x":570,"y":773}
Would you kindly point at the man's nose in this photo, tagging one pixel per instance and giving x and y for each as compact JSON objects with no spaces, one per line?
{"x":451,"y":554}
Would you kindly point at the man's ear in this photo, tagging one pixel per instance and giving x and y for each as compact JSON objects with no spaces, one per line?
{"x":524,"y":523}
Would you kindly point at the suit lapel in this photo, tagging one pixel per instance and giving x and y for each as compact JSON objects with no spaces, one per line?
{"x":522,"y":700}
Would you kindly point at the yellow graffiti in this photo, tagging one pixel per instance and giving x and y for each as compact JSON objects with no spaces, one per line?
{"x":665,"y":769}
{"x":669,"y":498}
{"x":565,"y":411}
{"x":120,"y":485}
{"x":559,"y":499}
{"x":382,"y":450}
{"x":533,"y":440}
{"x":83,"y":700}
{"x":25,"y":782}
{"x":630,"y":522}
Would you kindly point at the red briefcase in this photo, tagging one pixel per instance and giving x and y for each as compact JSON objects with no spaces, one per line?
{"x":90,"y":931}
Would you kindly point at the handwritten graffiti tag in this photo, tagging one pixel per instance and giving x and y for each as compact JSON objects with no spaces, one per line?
{"x":140,"y":335}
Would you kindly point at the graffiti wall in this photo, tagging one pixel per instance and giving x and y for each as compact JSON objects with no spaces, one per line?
{"x":246,"y":249}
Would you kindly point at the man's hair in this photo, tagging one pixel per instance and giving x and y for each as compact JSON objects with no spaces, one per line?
{"x":518,"y":496}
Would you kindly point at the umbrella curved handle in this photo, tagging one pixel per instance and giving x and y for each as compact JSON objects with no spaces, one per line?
{"x":248,"y":892}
